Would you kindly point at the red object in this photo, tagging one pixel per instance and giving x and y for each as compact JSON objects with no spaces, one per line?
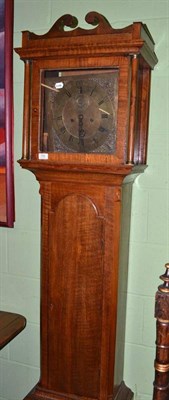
{"x":2,"y":135}
{"x":6,"y":132}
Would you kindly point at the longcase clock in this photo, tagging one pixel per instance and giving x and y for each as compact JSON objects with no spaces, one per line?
{"x":86,"y":107}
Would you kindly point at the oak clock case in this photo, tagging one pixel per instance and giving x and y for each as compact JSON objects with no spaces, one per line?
{"x":85,"y":132}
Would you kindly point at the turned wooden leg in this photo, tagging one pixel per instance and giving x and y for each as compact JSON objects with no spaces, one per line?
{"x":161,"y":382}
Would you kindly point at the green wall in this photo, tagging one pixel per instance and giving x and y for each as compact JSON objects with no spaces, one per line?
{"x":149,"y":242}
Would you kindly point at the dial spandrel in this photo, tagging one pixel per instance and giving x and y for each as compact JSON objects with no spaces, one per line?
{"x":79,"y":112}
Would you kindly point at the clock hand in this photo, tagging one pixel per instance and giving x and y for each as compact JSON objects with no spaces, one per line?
{"x":49,"y":87}
{"x":81,"y":131}
{"x":106,"y":112}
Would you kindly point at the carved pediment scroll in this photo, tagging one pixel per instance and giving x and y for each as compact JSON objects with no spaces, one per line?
{"x":98,"y":21}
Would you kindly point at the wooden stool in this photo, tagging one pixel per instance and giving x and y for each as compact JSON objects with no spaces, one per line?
{"x":10,"y":326}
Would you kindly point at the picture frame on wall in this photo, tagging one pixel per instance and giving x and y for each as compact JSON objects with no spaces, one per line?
{"x":6,"y":114}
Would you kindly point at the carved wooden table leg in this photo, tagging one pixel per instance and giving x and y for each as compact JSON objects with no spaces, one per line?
{"x":161,"y":383}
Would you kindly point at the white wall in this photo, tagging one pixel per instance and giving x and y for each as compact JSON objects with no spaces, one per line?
{"x":149,"y":245}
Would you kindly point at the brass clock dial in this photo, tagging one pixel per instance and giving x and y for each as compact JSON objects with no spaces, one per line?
{"x":79,"y":113}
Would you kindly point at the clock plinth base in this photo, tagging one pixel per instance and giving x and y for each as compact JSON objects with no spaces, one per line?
{"x":122,"y":392}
